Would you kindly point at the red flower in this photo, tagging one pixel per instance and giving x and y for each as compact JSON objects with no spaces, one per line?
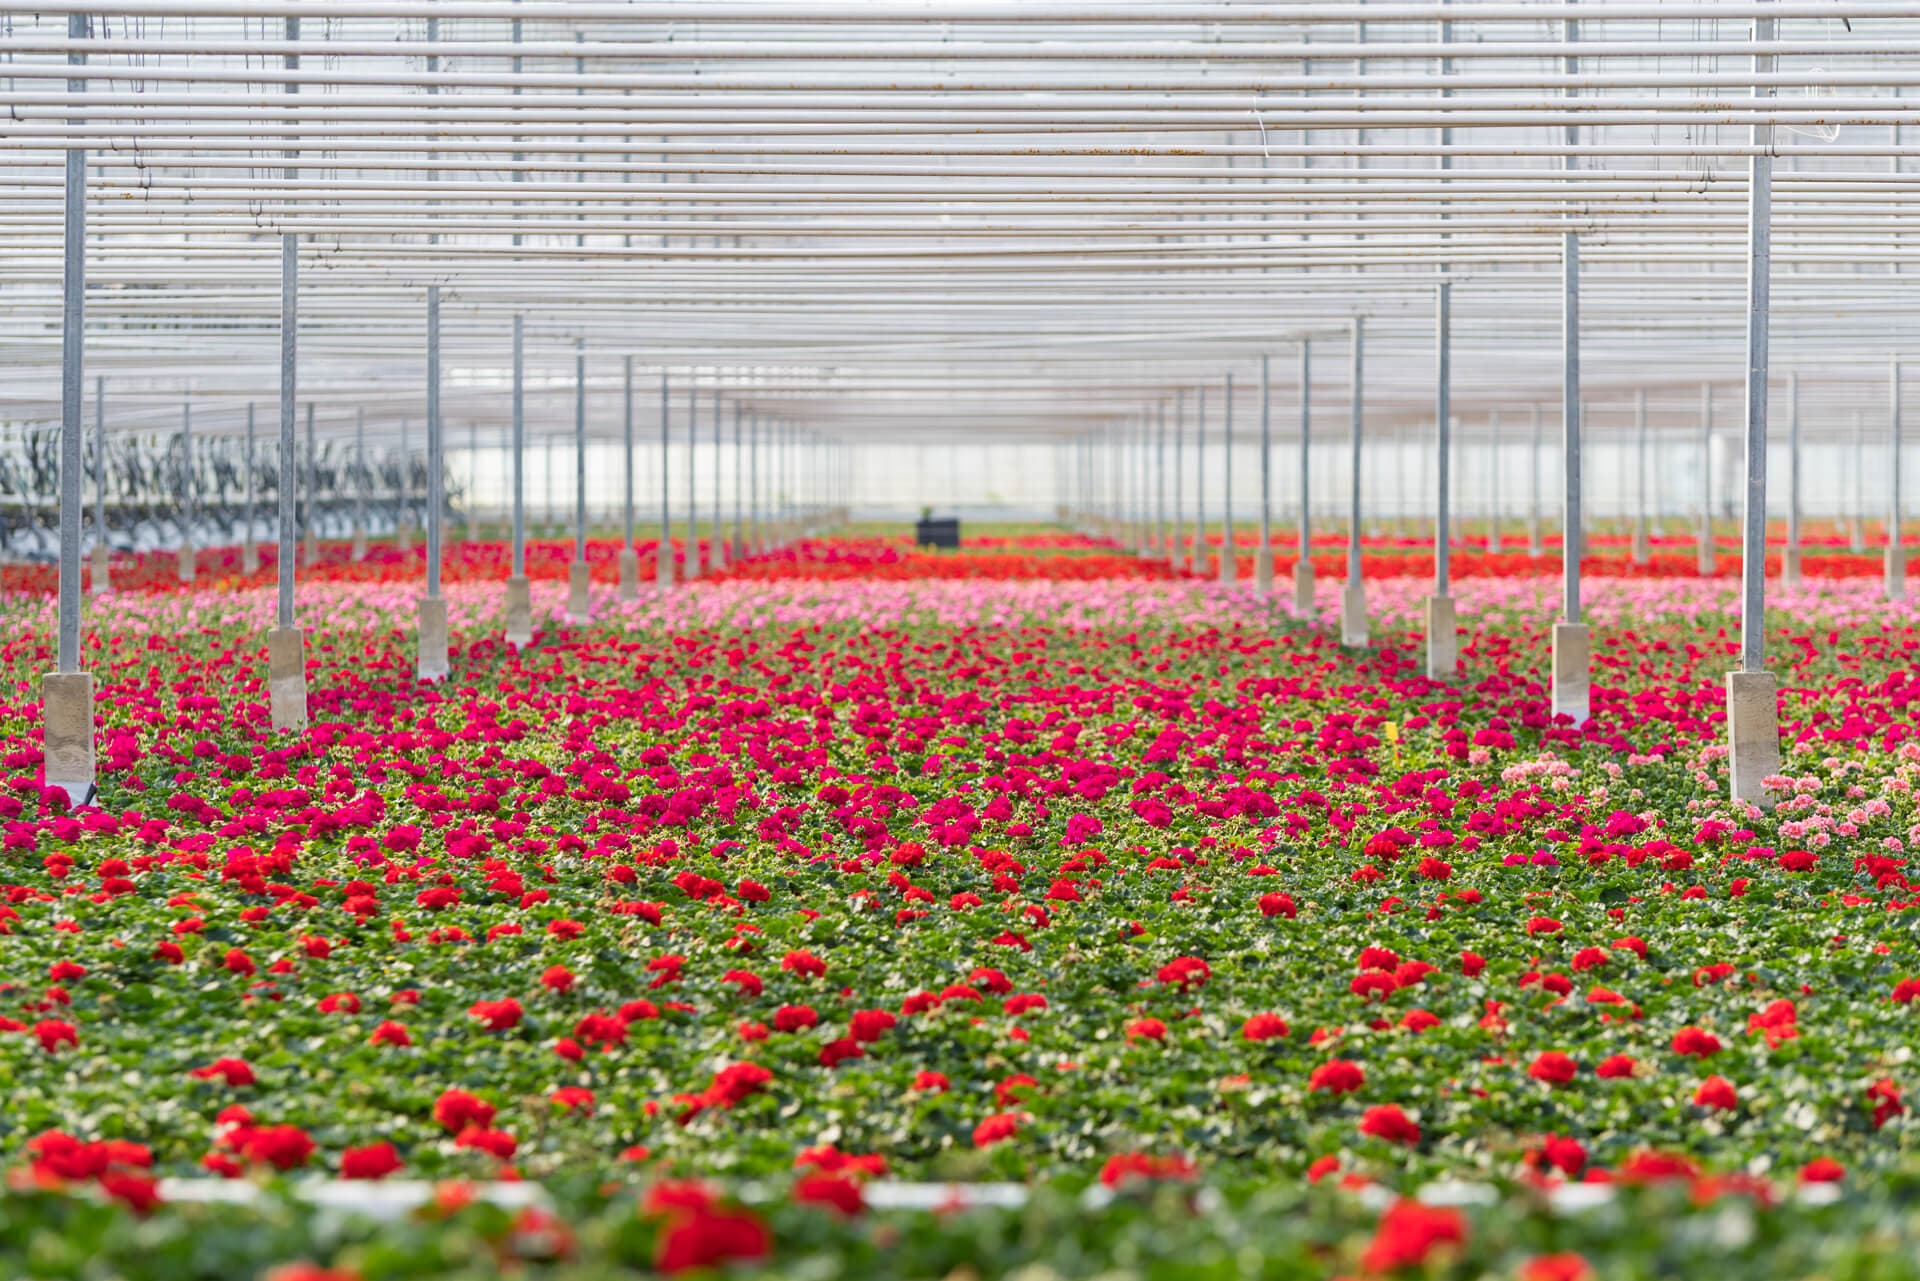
{"x":1885,"y":1097}
{"x":1716,"y":1092}
{"x":708,"y":1238}
{"x":235,"y":1072}
{"x":557,"y":978}
{"x":375,"y":1161}
{"x":1264,"y":1027}
{"x":1557,"y":1267}
{"x":834,"y":1190}
{"x":1337,"y":1076}
{"x":570,"y":1098}
{"x":871,"y":1025}
{"x":794,"y":1018}
{"x":1186,"y":972}
{"x":1822,"y":1169}
{"x":1409,"y":1232}
{"x":834,"y":1053}
{"x":1146,"y":1030}
{"x":390,"y":1033}
{"x":932,"y":1082}
{"x":1140,"y":1166}
{"x":52,"y":1034}
{"x":1696,"y":1043}
{"x":284,"y":1147}
{"x":1278,"y":905}
{"x":805,"y":964}
{"x":1554,"y":1068}
{"x":995,"y":1129}
{"x":457,"y":1110}
{"x":496,"y":1016}
{"x":1388,"y":1122}
{"x":1615,"y":1067}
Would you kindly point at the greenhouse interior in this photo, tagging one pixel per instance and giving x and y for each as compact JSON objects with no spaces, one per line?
{"x":1283,"y":628}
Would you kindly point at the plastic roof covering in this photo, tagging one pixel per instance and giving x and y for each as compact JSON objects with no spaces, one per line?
{"x":943,"y":219}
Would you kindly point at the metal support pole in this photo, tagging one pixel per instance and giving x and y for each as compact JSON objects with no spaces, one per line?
{"x":1163,"y":534}
{"x":1790,"y":556}
{"x":67,"y":692}
{"x":185,"y":479}
{"x":1706,"y":551}
{"x":629,"y":555}
{"x":1263,"y":554}
{"x":1303,"y":551}
{"x":1443,"y":639}
{"x":1640,"y":544}
{"x":1176,"y":545}
{"x":1493,"y":483}
{"x":1573,"y":524}
{"x":579,"y":579}
{"x":435,"y":443}
{"x":690,"y":554}
{"x":519,"y":429}
{"x":1858,"y":532}
{"x":1753,"y":725}
{"x":359,"y":482}
{"x":1353,"y":596}
{"x":249,"y":551}
{"x":717,"y":556}
{"x":739,"y":476}
{"x":663,"y":557}
{"x":1229,"y":572}
{"x":287,"y":643}
{"x":1535,"y":546}
{"x":1197,"y":556}
{"x":100,"y":542}
{"x":1896,"y":566}
{"x":311,"y":525}
{"x":1443,"y":442}
{"x":758,"y":544}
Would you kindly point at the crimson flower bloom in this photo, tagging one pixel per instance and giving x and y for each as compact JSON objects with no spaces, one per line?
{"x":1337,"y":1076}
{"x":375,"y":1161}
{"x":1554,"y":1068}
{"x":1409,"y":1232}
{"x":1388,"y":1122}
{"x":234,"y":1072}
{"x":1264,"y":1027}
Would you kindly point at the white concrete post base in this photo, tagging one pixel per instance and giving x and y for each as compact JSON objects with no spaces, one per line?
{"x":717,"y":555}
{"x":287,"y":679}
{"x":403,"y":536}
{"x":1303,"y":588}
{"x":430,"y":639}
{"x":690,"y":564}
{"x":249,"y":557}
{"x":1857,"y":537}
{"x":1753,"y":734}
{"x":519,"y":611}
{"x":1572,"y":687}
{"x":1791,"y":569}
{"x":579,"y":589}
{"x":1443,"y":639}
{"x":186,"y":561}
{"x":359,"y":545}
{"x":102,"y":577}
{"x":629,"y":574}
{"x":1494,"y":546}
{"x":66,"y":700}
{"x":1353,"y":614}
{"x":1706,"y":561}
{"x":1263,"y":571}
{"x":1896,"y":572}
{"x":1535,"y":547}
{"x":1228,"y":570}
{"x":1641,"y":549}
{"x":663,"y":575}
{"x":311,"y":552}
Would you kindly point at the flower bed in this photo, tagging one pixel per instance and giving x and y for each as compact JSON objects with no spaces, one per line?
{"x":958,"y":881}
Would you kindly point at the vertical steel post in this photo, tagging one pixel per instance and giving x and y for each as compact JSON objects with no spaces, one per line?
{"x":1858,"y":534}
{"x":435,"y":445}
{"x":1896,"y":566}
{"x":1790,"y":555}
{"x":1263,"y":555}
{"x":690,"y":554}
{"x":579,"y":451}
{"x":1640,"y":546}
{"x":67,"y":692}
{"x":739,"y":476}
{"x":519,"y":447}
{"x":1753,"y":726}
{"x":663,"y":556}
{"x":286,"y":643}
{"x":1304,"y":533}
{"x":1197,"y":555}
{"x":1493,"y":483}
{"x":1229,"y":572}
{"x":186,"y":479}
{"x":1443,"y":445}
{"x":629,"y":554}
{"x":311,"y":526}
{"x":100,"y":541}
{"x":1353,"y":595}
{"x":1163,"y":534}
{"x":717,"y":556}
{"x":250,"y":555}
{"x":359,"y":480}
{"x":1176,"y":549}
{"x":1535,"y":548}
{"x":1706,"y":556}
